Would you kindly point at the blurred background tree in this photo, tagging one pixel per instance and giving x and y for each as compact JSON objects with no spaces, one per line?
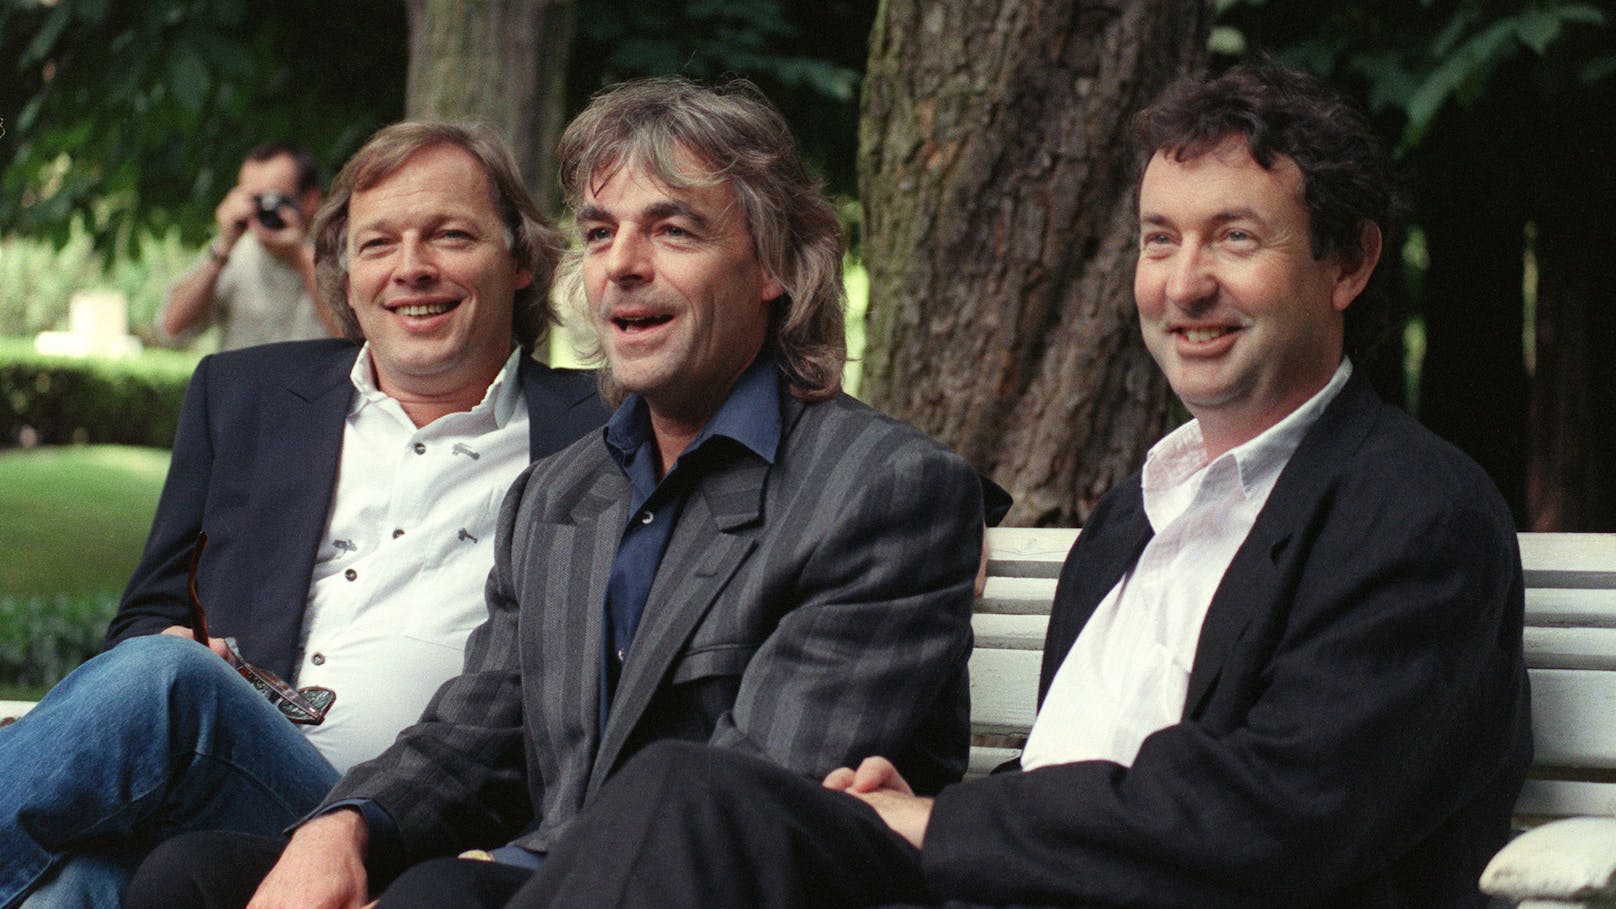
{"x":126,"y":121}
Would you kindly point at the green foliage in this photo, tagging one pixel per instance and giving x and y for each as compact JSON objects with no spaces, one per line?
{"x":72,"y":523}
{"x":130,"y":402}
{"x":43,"y":638}
{"x":132,"y":118}
{"x":1410,"y":61}
{"x":38,"y":279}
{"x":808,"y":58}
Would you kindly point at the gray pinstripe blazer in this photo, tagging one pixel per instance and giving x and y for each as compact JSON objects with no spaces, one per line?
{"x":813,"y":612}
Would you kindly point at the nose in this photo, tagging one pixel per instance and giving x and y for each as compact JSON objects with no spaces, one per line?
{"x":627,"y":261}
{"x":416,"y":264}
{"x":1190,"y":280}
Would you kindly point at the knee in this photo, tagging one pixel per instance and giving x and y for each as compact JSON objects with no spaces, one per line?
{"x":202,"y":870}
{"x":163,"y":661}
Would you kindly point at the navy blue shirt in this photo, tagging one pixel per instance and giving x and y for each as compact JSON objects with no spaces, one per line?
{"x":749,"y":417}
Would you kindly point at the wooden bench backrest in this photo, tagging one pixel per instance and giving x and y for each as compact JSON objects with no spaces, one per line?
{"x":1570,"y":652}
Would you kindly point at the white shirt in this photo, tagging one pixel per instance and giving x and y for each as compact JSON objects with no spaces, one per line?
{"x":398,"y":579}
{"x":259,"y":298}
{"x":1127,"y":674}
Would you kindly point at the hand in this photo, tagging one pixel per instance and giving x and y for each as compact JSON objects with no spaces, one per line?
{"x":322,"y":867}
{"x":180,"y":631}
{"x":287,"y":240}
{"x":236,"y":210}
{"x":878,"y":784}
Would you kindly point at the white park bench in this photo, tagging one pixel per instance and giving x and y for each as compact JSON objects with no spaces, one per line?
{"x":1567,"y":859}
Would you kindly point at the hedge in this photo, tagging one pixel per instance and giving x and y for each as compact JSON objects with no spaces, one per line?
{"x":43,"y":638}
{"x":62,"y":400}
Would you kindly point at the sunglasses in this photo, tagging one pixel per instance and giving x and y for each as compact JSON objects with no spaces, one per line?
{"x":305,"y":706}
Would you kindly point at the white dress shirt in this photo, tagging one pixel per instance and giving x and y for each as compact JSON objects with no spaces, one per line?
{"x":1127,"y":674}
{"x":398,"y":579}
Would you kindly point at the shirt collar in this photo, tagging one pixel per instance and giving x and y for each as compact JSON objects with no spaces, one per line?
{"x":1180,"y":456}
{"x":503,"y":396}
{"x":750,"y":416}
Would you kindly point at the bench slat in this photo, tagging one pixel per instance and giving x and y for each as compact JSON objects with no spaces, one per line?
{"x":1574,"y":718}
{"x":1590,"y":608}
{"x":1571,"y":648}
{"x":1010,"y":632}
{"x":1016,"y":552}
{"x":1560,"y":798}
{"x":1004,"y":688}
{"x":1569,"y":559}
{"x":1024,"y":596}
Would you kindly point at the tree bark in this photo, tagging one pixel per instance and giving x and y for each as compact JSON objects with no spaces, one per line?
{"x":501,"y":62}
{"x":998,"y":189}
{"x":1473,"y":384}
{"x":1572,"y":467}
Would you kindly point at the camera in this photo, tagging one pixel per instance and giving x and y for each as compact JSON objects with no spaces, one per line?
{"x":269,"y":206}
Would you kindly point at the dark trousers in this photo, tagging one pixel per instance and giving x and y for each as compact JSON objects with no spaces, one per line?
{"x":687,"y":825}
{"x":221,"y":870}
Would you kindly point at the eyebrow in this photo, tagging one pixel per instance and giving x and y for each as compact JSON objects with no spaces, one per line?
{"x":1222,"y":217}
{"x":654,"y":211}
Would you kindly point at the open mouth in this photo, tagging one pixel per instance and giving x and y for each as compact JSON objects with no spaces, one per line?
{"x":639,"y":323}
{"x":423,"y":310}
{"x":1203,"y":335}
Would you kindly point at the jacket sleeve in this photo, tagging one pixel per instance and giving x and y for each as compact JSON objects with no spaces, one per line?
{"x":156,"y":595}
{"x":870,"y":656}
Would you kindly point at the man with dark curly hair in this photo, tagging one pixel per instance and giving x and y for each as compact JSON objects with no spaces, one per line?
{"x":1284,"y":662}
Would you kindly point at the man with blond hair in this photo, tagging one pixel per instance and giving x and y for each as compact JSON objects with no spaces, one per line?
{"x":348,"y":490}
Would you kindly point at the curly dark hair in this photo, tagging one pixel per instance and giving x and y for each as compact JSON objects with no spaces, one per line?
{"x":1347,"y":177}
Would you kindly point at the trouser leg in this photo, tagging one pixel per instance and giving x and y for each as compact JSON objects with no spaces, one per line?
{"x":454,"y":882}
{"x":203,"y":870}
{"x":93,"y":879}
{"x":154,"y":737}
{"x":687,"y":825}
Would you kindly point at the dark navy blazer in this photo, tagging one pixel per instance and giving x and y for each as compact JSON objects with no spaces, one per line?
{"x":255,"y":464}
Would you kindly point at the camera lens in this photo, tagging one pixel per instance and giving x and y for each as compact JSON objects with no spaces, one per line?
{"x":269,"y":205}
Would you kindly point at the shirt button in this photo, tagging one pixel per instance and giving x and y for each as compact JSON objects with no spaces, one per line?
{"x":622,"y":654}
{"x":318,"y":659}
{"x":646,"y":517}
{"x":350,"y":574}
{"x":398,"y":532}
{"x":420,"y":448}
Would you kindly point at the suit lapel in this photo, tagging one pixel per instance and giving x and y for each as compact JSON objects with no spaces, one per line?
{"x":1103,"y":553}
{"x":717,"y":531}
{"x":561,"y":406}
{"x":298,"y":448}
{"x":1255,"y":579}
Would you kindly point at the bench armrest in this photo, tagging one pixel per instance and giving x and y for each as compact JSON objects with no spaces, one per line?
{"x":1569,"y":862}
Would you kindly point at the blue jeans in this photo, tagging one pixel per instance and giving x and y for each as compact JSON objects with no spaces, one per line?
{"x":155,"y":737}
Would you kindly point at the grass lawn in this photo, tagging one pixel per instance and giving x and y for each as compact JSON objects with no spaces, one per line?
{"x":73,"y":519}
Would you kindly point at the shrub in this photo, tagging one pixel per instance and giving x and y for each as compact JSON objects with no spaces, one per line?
{"x":65,"y":400}
{"x":44,"y":638}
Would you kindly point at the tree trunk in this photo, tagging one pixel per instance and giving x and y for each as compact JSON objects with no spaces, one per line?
{"x":998,"y":190}
{"x":502,"y":62}
{"x":1473,"y":388}
{"x":1572,"y":468}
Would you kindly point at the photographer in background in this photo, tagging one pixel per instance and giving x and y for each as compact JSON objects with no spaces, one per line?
{"x":256,"y":280}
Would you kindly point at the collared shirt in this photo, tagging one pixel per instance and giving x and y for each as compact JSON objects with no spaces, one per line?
{"x":398,"y":578}
{"x":749,"y":416}
{"x":1127,"y":674}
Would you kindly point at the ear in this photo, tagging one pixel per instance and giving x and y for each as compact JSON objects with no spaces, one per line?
{"x":769,"y":287}
{"x":1355,"y":272}
{"x":524,"y":277}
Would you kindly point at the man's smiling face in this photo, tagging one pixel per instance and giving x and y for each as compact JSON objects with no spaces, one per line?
{"x":1243,"y":320}
{"x":430,"y":275}
{"x":675,"y":288}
